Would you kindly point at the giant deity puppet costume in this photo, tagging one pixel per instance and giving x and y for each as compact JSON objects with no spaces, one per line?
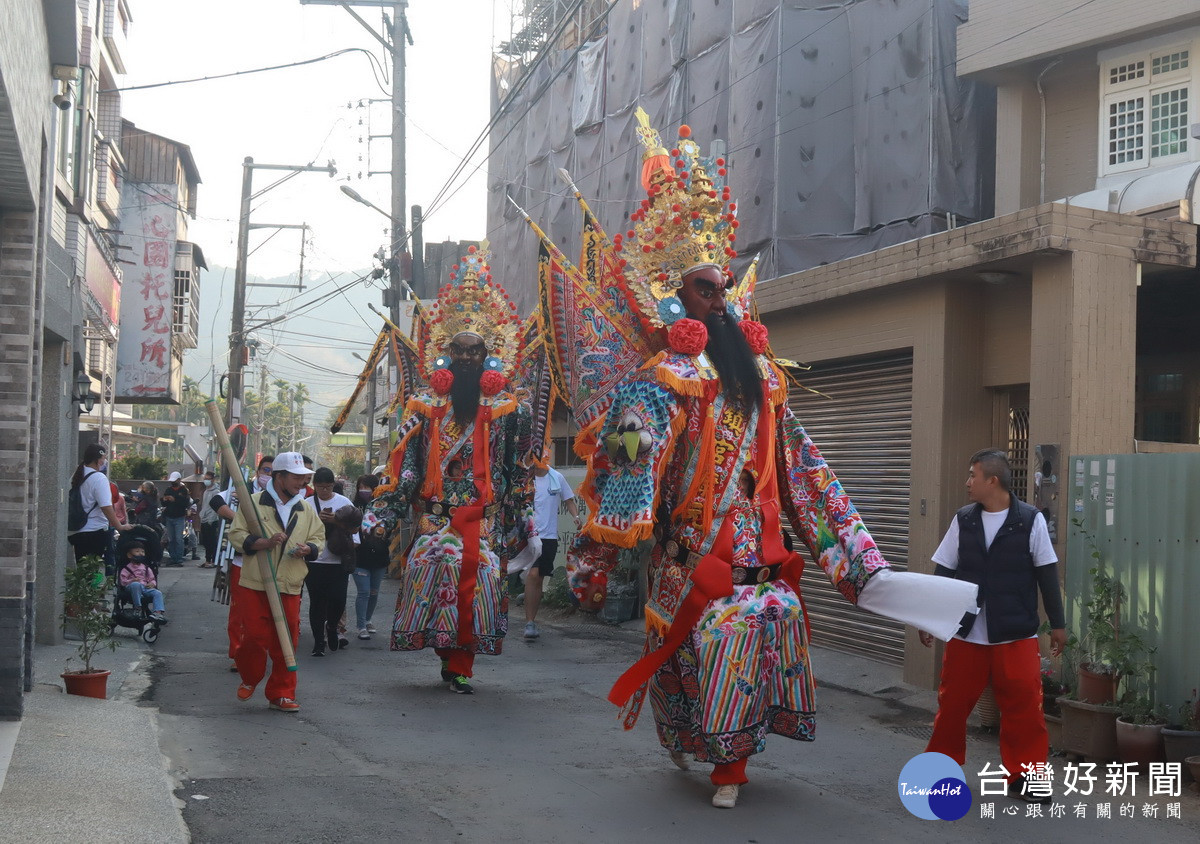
{"x":461,"y":467}
{"x":696,"y":451}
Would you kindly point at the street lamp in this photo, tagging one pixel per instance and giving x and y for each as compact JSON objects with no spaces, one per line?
{"x":358,"y":197}
{"x":83,"y":392}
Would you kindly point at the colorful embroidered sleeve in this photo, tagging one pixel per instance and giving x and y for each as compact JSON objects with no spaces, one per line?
{"x":626,"y":455}
{"x":517,"y":502}
{"x":822,"y":514}
{"x":406,"y":471}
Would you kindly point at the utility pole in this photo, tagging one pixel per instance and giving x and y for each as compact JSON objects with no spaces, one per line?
{"x":398,"y":35}
{"x":237,"y":331}
{"x":368,"y":463}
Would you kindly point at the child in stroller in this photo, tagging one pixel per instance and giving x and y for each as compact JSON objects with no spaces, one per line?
{"x":137,"y":602}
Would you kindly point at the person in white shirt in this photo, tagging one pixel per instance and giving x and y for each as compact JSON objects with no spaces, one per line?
{"x":327,"y":579}
{"x":1001,"y":544}
{"x":551,"y":494}
{"x":94,"y":537}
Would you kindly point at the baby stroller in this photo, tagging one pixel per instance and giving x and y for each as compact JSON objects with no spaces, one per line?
{"x":124,"y":613}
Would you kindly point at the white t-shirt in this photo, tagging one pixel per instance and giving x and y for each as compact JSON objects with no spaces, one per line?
{"x":335,"y":503}
{"x":549,"y":492}
{"x":1039,"y":548}
{"x":95,"y":493}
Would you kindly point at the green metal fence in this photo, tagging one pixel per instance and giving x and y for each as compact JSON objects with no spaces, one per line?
{"x":1143,"y":511}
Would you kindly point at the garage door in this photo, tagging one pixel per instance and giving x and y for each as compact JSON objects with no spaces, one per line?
{"x":864,"y":430}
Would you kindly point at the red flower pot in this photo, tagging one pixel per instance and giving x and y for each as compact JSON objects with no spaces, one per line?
{"x":90,"y":684}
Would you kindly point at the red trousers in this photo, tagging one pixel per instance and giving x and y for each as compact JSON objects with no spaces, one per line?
{"x":235,"y":620}
{"x":460,"y":661}
{"x":1015,"y":672}
{"x":260,"y":641}
{"x":730,"y":773}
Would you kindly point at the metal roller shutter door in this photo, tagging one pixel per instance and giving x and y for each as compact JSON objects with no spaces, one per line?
{"x":864,"y":430}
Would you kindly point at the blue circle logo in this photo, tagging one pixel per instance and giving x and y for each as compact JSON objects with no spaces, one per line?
{"x":932,"y":787}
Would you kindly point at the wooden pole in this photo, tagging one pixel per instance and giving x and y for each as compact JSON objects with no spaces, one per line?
{"x":266,"y":565}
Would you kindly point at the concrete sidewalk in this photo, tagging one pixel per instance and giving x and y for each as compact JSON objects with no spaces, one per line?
{"x":81,"y":769}
{"x":91,"y":770}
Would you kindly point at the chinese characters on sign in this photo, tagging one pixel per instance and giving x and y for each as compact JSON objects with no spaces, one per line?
{"x":1117,"y":780}
{"x":144,"y":360}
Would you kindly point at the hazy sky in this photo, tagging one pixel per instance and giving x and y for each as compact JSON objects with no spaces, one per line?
{"x":301,"y":115}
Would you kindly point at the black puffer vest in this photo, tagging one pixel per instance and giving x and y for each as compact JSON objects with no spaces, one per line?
{"x":1004,"y":572}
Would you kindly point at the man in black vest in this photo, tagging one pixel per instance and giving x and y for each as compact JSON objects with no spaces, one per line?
{"x":1001,"y":544}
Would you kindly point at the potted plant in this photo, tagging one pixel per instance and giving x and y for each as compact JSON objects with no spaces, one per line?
{"x":1107,"y":651}
{"x":1052,"y":690}
{"x":1181,"y":739}
{"x":86,"y":612}
{"x":1140,"y":726}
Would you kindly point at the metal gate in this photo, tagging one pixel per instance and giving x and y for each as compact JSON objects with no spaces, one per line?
{"x":864,"y":430}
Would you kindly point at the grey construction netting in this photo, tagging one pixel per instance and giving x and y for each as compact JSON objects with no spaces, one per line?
{"x":845,"y":126}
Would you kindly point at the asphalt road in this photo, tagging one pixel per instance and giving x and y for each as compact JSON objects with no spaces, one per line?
{"x":382,"y":751}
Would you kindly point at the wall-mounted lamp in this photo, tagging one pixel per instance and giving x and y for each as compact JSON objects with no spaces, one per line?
{"x":83,"y":392}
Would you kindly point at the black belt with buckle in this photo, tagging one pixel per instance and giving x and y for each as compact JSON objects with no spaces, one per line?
{"x":440,"y":508}
{"x":682,"y":556}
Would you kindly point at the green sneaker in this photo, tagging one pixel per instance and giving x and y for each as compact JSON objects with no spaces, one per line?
{"x":460,"y":686}
{"x":447,"y":674}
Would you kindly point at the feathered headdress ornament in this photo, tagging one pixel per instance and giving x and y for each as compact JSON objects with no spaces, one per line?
{"x":470,"y":303}
{"x":685,"y":223}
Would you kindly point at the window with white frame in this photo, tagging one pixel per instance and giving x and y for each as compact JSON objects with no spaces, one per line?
{"x":1146,"y":108}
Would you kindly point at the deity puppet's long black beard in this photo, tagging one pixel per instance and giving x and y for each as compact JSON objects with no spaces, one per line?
{"x":464,"y":392}
{"x":734,"y":361}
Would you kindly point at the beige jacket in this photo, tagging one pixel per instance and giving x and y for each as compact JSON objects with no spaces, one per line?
{"x":304,"y":527}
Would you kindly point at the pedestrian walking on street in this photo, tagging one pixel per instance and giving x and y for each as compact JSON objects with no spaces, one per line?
{"x":327,"y":579}
{"x":372,"y":559}
{"x":176,"y":501}
{"x":92,"y":497}
{"x":295,"y":535}
{"x":210,"y":520}
{"x":551,"y":494}
{"x":1001,"y":544}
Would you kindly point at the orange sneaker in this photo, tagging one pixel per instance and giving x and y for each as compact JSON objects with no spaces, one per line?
{"x":285,"y":704}
{"x":244,"y":691}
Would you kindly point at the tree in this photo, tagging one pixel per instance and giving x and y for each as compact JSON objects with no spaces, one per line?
{"x":138,"y":468}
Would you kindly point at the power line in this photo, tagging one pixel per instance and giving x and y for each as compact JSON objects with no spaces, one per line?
{"x":300,"y":63}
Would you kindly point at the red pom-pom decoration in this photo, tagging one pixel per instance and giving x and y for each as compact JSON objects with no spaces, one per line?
{"x":491,"y":382}
{"x":720,"y":162}
{"x":756,"y":335}
{"x":441,"y":381}
{"x":685,"y":131}
{"x":470,"y":250}
{"x":688,"y":336}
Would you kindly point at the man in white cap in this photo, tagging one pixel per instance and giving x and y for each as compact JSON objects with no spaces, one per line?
{"x":294,"y":536}
{"x":176,"y":501}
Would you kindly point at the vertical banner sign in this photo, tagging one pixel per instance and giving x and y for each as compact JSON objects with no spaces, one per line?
{"x":144,"y":353}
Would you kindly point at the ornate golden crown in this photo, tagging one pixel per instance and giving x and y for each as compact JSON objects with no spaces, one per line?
{"x":471,"y":302}
{"x":685,"y":223}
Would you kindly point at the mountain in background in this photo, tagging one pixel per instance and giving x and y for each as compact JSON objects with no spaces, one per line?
{"x":323,"y":325}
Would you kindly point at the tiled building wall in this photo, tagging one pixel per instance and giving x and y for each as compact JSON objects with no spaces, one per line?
{"x":19,"y":371}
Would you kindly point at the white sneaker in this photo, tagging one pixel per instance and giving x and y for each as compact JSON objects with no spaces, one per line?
{"x":370,"y":627}
{"x":679,"y":758}
{"x":363,"y":633}
{"x":531,"y":630}
{"x":726,"y":797}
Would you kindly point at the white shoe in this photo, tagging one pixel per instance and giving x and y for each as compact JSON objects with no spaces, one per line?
{"x":370,"y":627}
{"x":679,"y":758}
{"x":726,"y":796}
{"x":364,"y":634}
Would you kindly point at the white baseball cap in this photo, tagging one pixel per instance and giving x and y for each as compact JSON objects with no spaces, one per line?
{"x":174,"y":476}
{"x":290,"y":461}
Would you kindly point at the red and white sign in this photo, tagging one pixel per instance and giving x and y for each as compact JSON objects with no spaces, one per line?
{"x":144,"y":359}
